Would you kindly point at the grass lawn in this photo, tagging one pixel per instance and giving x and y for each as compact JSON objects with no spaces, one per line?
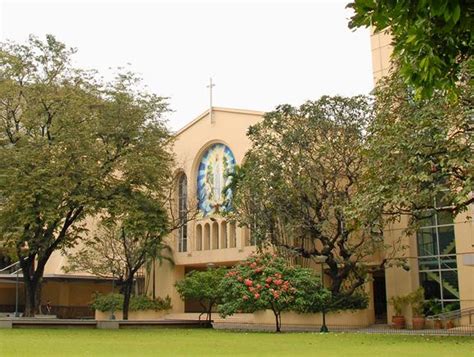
{"x":197,"y":342}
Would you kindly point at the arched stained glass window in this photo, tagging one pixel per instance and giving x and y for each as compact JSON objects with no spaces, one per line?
{"x":182,"y":212}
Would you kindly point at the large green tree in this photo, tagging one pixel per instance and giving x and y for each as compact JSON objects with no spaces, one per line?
{"x":299,"y":181}
{"x":431,"y":38}
{"x":421,"y":152}
{"x":69,"y":144}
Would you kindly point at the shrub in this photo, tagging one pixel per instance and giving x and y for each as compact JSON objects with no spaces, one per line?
{"x":113,"y":302}
{"x":398,"y":302}
{"x":417,"y":301}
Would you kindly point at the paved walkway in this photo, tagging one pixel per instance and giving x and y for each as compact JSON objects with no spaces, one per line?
{"x":375,"y":329}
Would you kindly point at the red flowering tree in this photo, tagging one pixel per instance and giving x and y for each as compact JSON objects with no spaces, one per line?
{"x":267,"y":281}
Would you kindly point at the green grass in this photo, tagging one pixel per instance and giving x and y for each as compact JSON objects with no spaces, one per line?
{"x":184,"y":342}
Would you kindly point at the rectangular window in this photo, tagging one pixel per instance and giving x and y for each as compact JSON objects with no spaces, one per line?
{"x":437,"y":257}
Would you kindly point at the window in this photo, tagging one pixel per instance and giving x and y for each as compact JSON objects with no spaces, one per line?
{"x":182,"y":213}
{"x":437,"y":258}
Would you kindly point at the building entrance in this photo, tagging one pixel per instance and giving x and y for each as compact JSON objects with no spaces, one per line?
{"x":380,"y":297}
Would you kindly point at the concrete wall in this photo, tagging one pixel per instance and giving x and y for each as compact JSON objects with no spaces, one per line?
{"x":132,"y":315}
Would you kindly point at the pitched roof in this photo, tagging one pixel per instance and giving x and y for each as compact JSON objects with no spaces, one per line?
{"x":218,"y":109}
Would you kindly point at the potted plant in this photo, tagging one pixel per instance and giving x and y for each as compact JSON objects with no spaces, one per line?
{"x":398,"y":302}
{"x":435,"y":308}
{"x":417,"y":301}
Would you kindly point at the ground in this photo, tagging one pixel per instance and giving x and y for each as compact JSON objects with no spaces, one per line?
{"x":203,"y":342}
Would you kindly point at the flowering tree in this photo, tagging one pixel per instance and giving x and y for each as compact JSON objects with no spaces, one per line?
{"x":267,"y":281}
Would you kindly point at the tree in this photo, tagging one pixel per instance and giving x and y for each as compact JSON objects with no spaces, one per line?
{"x":421,"y":152}
{"x":69,"y":145}
{"x":297,"y":186}
{"x":266,"y":281}
{"x":203,"y":286}
{"x":431,"y":38}
{"x":133,"y":228}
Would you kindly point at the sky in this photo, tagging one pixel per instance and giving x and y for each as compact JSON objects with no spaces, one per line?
{"x":259,"y":53}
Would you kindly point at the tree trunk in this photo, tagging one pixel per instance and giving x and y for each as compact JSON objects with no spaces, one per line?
{"x":277,"y":321}
{"x":126,"y":297}
{"x":154,"y":280}
{"x":32,"y":282}
{"x":209,"y":311}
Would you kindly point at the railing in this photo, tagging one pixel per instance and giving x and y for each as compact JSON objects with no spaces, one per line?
{"x":11,"y":269}
{"x":453,"y":315}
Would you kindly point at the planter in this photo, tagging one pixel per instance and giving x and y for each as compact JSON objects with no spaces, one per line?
{"x":398,"y":322}
{"x":132,"y":315}
{"x":437,"y":324}
{"x":418,"y":322}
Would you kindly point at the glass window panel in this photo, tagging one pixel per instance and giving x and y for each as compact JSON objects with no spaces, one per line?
{"x":430,"y":282}
{"x":427,"y":244}
{"x":426,"y":219}
{"x":450,"y":284}
{"x":448,"y":262}
{"x":446,"y":240}
{"x":444,"y":217}
{"x":443,"y":199}
{"x":431,"y":263}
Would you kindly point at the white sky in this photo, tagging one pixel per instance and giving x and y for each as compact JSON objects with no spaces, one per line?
{"x":259,"y":53}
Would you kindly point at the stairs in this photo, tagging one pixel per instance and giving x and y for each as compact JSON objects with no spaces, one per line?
{"x":444,"y":283}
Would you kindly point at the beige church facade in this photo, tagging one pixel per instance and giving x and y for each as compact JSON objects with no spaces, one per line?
{"x":440,"y":256}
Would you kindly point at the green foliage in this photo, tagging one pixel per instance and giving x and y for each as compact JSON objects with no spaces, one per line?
{"x":107,"y":302}
{"x":297,"y":187}
{"x":267,"y":281}
{"x":72,"y":146}
{"x":419,"y":151}
{"x":358,"y":300}
{"x":113,"y":302}
{"x":431,"y":38}
{"x":204,"y":286}
{"x":433,"y":307}
{"x":143,"y":302}
{"x":398,"y":303}
{"x":417,"y":301}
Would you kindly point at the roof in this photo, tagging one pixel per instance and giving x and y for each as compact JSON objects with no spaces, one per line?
{"x":218,"y":109}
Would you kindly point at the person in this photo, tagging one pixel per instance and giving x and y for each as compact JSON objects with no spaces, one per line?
{"x":48,"y":307}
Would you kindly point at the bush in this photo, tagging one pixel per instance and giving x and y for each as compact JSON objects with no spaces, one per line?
{"x":203,"y":286}
{"x":113,"y":302}
{"x":143,"y":302}
{"x":108,"y":302}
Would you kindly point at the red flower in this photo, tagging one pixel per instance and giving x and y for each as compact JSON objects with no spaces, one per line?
{"x":278,"y":282}
{"x":257,"y":295}
{"x":268,"y":280}
{"x":253,"y":265}
{"x":267,"y":286}
{"x":248,"y":282}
